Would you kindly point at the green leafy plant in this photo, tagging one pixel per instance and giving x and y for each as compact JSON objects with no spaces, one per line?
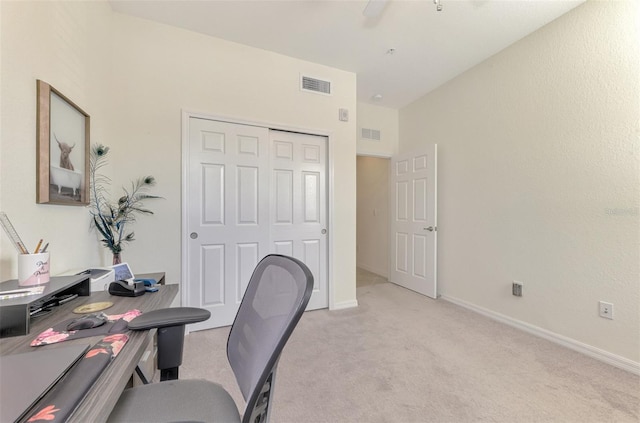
{"x":113,"y":219}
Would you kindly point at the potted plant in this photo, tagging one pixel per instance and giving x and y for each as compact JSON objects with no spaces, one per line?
{"x":113,"y":219}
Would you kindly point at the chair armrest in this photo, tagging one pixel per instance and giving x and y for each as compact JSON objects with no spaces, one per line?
{"x":167,"y":317}
{"x":170,"y":323}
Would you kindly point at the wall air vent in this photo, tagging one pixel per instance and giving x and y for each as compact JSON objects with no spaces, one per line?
{"x":370,"y":134}
{"x":315,"y":85}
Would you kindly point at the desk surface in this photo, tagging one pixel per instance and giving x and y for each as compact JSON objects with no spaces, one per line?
{"x":99,"y":401}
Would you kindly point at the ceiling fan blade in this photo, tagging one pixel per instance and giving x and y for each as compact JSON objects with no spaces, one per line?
{"x":374,"y":8}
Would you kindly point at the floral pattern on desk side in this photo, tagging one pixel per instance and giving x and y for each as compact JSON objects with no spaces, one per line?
{"x":46,"y":414}
{"x":111,"y":345}
{"x":51,"y":336}
{"x":128,"y":316}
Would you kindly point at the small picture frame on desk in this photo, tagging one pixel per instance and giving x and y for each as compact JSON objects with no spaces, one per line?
{"x":62,"y":142}
{"x":122,"y":272}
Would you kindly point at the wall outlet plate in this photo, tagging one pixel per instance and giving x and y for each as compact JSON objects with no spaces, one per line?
{"x":606,"y":310}
{"x":516,"y":289}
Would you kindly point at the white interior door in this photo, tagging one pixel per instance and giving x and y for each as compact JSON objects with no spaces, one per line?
{"x":299,"y":205}
{"x":251,"y":191}
{"x":414,"y":221}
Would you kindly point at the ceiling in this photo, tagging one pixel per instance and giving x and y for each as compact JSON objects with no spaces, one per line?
{"x":430,"y":47}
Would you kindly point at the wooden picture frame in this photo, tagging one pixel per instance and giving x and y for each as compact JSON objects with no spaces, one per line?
{"x":62,"y":143}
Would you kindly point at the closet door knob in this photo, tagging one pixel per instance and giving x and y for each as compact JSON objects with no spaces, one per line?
{"x":194,"y":235}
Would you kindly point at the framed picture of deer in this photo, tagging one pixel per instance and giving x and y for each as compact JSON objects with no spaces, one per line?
{"x":62,"y":143}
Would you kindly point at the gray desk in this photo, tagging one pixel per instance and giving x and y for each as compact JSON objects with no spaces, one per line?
{"x":104,"y":394}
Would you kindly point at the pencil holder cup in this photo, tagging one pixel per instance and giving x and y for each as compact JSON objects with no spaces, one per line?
{"x":33,"y":269}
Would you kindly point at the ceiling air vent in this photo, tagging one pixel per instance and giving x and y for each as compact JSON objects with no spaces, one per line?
{"x":315,"y":85}
{"x":371,"y":134}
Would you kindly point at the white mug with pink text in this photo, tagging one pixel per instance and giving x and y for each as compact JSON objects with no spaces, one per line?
{"x":33,"y":269}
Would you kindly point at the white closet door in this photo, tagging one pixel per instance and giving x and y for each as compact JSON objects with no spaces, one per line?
{"x":251,"y":191}
{"x":299,"y":204}
{"x":228,"y":224}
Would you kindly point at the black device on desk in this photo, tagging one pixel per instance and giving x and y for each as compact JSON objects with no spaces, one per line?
{"x":124,"y":289}
{"x":16,"y":313}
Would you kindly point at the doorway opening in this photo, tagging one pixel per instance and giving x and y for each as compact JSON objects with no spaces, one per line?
{"x":372,"y":220}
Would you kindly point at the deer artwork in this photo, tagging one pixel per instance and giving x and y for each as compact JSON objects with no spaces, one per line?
{"x":65,"y":150}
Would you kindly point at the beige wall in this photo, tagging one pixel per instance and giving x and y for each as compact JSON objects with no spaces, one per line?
{"x":134,"y":78}
{"x":539,"y":178}
{"x":66,"y":45}
{"x":385,"y":120}
{"x":373,"y":191}
{"x":373,"y":215}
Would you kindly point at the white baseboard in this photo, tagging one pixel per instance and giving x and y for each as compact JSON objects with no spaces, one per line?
{"x":343,"y":305}
{"x":597,"y":353}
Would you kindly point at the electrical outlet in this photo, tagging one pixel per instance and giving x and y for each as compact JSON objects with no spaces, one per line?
{"x":606,"y":310}
{"x":516,"y":288}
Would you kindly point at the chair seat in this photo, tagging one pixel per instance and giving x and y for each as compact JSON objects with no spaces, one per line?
{"x":176,"y":401}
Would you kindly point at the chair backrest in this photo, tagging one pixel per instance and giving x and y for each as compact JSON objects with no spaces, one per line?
{"x":277,"y":294}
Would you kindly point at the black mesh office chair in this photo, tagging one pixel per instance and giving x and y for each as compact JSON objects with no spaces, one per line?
{"x":273,"y":303}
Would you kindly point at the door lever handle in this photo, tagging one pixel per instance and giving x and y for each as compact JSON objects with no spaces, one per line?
{"x":430,"y":229}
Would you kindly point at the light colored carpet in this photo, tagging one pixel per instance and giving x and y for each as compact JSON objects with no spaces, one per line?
{"x":401,"y":357}
{"x":365,"y":278}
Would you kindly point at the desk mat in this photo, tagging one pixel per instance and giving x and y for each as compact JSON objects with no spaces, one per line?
{"x":61,"y":401}
{"x":116,"y":323}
